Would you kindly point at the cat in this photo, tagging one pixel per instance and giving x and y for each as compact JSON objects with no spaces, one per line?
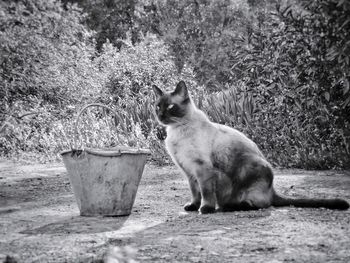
{"x":225,"y":169}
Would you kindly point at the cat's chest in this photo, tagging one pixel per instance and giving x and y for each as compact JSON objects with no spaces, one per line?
{"x":177,"y":143}
{"x":188,"y":145}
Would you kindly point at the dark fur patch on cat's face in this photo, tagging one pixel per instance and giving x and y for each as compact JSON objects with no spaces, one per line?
{"x":171,"y":107}
{"x":168,"y":111}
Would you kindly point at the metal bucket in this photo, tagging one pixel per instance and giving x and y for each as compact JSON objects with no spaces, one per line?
{"x":105,"y":181}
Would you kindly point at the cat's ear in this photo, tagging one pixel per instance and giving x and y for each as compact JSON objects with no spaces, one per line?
{"x":157,"y":91}
{"x":181,"y":89}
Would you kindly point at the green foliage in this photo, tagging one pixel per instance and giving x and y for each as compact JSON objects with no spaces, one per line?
{"x":286,"y":139}
{"x":298,"y":74}
{"x":119,"y":77}
{"x":276,"y":70}
{"x":45,"y":67}
{"x":110,"y":19}
{"x":130,"y":74}
{"x":288,"y":60}
{"x":203,"y":34}
{"x":46,"y":55}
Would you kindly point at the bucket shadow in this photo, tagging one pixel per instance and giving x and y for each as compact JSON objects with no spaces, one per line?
{"x":80,"y":225}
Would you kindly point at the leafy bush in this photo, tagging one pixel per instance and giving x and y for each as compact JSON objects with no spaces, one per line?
{"x":296,"y":71}
{"x":46,"y":55}
{"x":286,"y":140}
{"x":288,"y":62}
{"x":119,"y":77}
{"x":282,"y":72}
{"x":130,"y":72}
{"x":202,"y":34}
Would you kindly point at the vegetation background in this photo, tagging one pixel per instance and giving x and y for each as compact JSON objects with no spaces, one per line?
{"x":278,"y":71}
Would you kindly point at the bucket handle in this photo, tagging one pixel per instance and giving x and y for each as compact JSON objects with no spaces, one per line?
{"x":81,"y":112}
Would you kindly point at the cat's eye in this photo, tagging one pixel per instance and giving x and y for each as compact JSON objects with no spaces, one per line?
{"x":170,"y":106}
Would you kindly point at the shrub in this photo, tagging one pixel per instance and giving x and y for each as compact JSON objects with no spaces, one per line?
{"x":118,"y":77}
{"x":46,"y":55}
{"x":45,"y":68}
{"x":283,"y":72}
{"x":286,"y":138}
{"x":295,"y":68}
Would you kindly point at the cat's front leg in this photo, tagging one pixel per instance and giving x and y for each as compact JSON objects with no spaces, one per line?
{"x":207,"y":184}
{"x":196,"y":195}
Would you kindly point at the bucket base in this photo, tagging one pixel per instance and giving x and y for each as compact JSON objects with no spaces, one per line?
{"x":104,"y":215}
{"x":101,"y":212}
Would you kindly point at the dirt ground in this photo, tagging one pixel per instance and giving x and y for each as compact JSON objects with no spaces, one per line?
{"x":40,"y":222}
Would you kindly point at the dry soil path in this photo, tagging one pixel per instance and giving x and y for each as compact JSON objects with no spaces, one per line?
{"x":40,"y":222}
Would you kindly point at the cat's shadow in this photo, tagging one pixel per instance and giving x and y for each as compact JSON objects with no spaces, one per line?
{"x":193,"y":224}
{"x":80,"y":225}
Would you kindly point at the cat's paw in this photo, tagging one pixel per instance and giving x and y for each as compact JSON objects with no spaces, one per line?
{"x":206,"y":209}
{"x":191,"y":207}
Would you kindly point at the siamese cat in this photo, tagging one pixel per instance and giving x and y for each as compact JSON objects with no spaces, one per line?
{"x":226,"y":170}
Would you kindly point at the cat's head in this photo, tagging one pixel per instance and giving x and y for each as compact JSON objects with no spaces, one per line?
{"x":172,"y":107}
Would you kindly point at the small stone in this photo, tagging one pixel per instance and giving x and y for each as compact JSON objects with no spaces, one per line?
{"x":199,"y":248}
{"x":195,"y":259}
{"x":183,"y":213}
{"x":7,"y":259}
{"x":165,"y":256}
{"x":9,"y":209}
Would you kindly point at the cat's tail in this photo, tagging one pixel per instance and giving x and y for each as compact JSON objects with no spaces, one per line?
{"x":336,"y":203}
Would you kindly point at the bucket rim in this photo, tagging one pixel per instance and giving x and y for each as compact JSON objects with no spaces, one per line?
{"x":110,"y":152}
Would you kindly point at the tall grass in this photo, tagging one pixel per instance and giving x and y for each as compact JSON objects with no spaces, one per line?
{"x":287,"y":137}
